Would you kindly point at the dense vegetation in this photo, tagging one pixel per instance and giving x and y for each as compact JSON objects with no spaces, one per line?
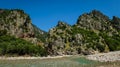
{"x":113,"y":42}
{"x":9,"y":45}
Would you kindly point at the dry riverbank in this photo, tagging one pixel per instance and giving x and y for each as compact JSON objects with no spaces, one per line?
{"x":105,"y":57}
{"x":21,"y":57}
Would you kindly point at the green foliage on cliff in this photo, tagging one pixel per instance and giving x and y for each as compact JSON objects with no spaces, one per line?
{"x":9,"y":45}
{"x":113,"y":42}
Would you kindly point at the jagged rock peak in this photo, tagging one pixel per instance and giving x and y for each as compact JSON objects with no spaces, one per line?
{"x":61,"y":24}
{"x":94,"y":20}
{"x":95,"y":14}
{"x":98,"y":14}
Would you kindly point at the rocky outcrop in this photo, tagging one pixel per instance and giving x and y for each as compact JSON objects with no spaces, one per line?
{"x":116,"y":22}
{"x":93,"y":33}
{"x":17,"y":23}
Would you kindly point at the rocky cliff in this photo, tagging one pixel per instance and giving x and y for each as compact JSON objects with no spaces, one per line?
{"x":17,"y":23}
{"x":93,"y":32}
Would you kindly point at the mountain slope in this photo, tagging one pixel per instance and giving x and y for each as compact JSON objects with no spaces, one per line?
{"x":18,"y":36}
{"x":93,"y":32}
{"x":17,"y":23}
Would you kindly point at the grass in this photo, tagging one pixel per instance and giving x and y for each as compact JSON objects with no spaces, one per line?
{"x":74,"y":61}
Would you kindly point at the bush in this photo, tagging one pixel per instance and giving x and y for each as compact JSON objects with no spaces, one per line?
{"x":100,"y":47}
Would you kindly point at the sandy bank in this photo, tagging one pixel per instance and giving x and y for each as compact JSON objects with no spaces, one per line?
{"x":17,"y":58}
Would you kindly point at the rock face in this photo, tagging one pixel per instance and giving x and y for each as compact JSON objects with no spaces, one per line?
{"x":93,"y":33}
{"x":94,"y":20}
{"x":17,"y":23}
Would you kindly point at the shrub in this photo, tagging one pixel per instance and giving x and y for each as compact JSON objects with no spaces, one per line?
{"x":100,"y":47}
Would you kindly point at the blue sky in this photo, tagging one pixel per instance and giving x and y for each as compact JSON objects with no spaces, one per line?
{"x":45,"y":14}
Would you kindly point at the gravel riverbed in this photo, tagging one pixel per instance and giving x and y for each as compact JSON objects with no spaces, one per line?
{"x":105,"y":57}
